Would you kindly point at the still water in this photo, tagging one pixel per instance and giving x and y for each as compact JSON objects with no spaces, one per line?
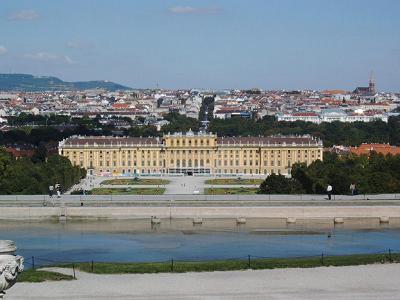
{"x":121,"y":241}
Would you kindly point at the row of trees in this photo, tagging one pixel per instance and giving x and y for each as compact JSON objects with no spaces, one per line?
{"x":24,"y":176}
{"x":336,"y":133}
{"x":85,"y":126}
{"x":374,"y":174}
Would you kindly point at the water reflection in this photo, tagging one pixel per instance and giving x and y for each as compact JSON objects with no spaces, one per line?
{"x":139,"y":240}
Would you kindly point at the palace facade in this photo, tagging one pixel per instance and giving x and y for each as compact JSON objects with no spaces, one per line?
{"x":190,"y":153}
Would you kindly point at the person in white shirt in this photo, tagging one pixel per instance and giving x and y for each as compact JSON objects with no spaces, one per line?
{"x":329,"y":191}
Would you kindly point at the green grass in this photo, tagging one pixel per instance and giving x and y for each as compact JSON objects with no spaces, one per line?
{"x":40,"y":276}
{"x":237,"y":264}
{"x":233,"y":181}
{"x":138,"y":181}
{"x":128,"y":191}
{"x":230,"y":191}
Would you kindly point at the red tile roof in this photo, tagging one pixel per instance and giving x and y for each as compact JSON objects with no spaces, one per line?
{"x":378,"y":148}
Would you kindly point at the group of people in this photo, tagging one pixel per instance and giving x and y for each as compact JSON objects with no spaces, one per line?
{"x":353,"y":190}
{"x":56,"y":188}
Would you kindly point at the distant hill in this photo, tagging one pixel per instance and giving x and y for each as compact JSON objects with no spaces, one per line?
{"x":29,"y":83}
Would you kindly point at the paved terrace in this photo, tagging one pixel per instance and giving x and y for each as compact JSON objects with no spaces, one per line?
{"x":191,"y":206}
{"x":199,"y":200}
{"x":329,"y":283}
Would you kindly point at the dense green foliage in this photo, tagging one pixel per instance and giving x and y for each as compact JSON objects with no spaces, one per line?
{"x":180,"y":123}
{"x":374,"y":174}
{"x":279,"y":184}
{"x":29,"y":83}
{"x":336,"y":133}
{"x":23,"y":176}
{"x":207,"y":106}
{"x":24,"y":119}
{"x":52,"y":133}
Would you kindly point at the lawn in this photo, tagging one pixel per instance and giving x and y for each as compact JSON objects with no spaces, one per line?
{"x":127,"y":191}
{"x":31,"y":275}
{"x":135,"y":181}
{"x":244,"y":263}
{"x":233,"y":181}
{"x":230,"y":191}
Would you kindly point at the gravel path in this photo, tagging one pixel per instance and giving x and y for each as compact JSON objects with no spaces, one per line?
{"x":361,"y":282}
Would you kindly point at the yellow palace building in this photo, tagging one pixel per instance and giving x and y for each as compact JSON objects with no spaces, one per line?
{"x":190,"y":154}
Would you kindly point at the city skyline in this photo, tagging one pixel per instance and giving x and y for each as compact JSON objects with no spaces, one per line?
{"x":205,"y":44}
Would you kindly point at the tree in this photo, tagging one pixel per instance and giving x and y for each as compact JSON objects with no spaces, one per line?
{"x":279,"y":184}
{"x":300,"y":174}
{"x":40,"y":154}
{"x":26,"y":176}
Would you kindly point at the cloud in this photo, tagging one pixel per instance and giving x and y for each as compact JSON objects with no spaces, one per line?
{"x":194,"y":10}
{"x":49,"y":57}
{"x":79,"y":45}
{"x":24,"y":15}
{"x":68,"y":60}
{"x":3,"y":50}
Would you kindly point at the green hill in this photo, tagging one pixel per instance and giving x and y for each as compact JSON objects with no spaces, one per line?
{"x":30,"y":83}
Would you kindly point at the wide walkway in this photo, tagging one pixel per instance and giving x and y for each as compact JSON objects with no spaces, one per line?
{"x":177,"y":184}
{"x":185,"y":185}
{"x":328,"y":283}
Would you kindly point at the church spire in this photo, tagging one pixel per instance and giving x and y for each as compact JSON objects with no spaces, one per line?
{"x":371,"y":85}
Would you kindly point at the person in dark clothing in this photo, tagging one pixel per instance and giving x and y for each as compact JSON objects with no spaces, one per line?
{"x":329,"y":190}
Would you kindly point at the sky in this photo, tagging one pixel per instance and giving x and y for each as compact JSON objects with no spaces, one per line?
{"x":208,"y":44}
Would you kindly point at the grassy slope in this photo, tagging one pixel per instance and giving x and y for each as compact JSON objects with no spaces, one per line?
{"x":238,"y":264}
{"x":135,"y":182}
{"x":230,"y":191}
{"x":127,"y":191}
{"x":234,"y":181}
{"x":40,"y":276}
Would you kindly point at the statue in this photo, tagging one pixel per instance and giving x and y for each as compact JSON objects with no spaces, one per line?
{"x":10,"y":265}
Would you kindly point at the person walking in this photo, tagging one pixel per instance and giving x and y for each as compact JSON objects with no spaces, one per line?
{"x":352,"y":189}
{"x":51,"y":190}
{"x":329,"y":190}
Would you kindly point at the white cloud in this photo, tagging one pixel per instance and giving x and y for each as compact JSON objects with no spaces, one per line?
{"x":194,"y":10}
{"x":24,"y":15}
{"x":49,"y":57}
{"x":79,"y":45}
{"x":68,"y":60}
{"x":3,"y":50}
